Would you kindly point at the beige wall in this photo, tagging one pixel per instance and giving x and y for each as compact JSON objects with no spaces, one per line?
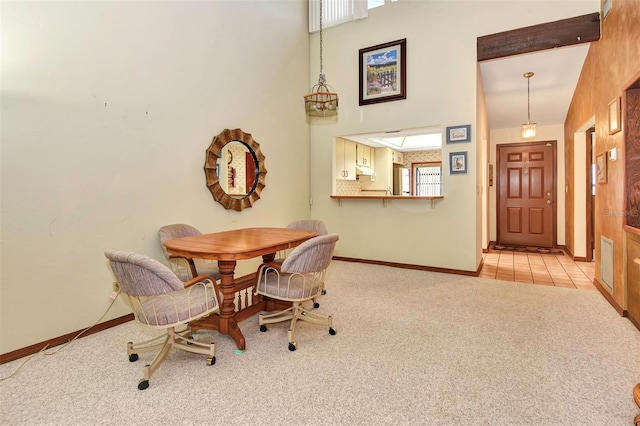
{"x":107,"y":110}
{"x":442,"y":89}
{"x":610,"y":64}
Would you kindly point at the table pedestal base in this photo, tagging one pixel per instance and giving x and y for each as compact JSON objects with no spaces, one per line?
{"x":250,"y":306}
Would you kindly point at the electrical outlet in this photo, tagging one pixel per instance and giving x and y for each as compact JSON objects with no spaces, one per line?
{"x":116,"y":287}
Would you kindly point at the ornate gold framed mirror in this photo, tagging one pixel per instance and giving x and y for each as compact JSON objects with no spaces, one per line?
{"x":234,"y":169}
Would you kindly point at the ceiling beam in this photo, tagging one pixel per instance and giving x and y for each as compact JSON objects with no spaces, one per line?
{"x":566,"y":32}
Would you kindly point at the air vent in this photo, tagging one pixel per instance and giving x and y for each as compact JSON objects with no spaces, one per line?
{"x":606,"y":262}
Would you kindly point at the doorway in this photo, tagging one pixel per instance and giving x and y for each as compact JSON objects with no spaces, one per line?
{"x":526,"y":194}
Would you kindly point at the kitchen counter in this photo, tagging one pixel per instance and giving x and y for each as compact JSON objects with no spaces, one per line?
{"x":384,"y":198}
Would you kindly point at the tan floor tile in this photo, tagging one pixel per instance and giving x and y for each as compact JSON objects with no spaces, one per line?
{"x":539,"y":269}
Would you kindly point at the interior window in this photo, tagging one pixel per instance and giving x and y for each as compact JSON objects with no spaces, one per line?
{"x":385,"y":163}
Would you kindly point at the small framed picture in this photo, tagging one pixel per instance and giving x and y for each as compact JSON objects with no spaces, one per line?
{"x":458,"y":162}
{"x":601,"y":168}
{"x":383,"y":72}
{"x":459,"y":133}
{"x":614,"y":116}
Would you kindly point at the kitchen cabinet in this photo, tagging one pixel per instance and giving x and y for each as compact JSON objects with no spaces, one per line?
{"x":365,"y":155}
{"x":384,"y":172}
{"x":345,"y":167}
{"x":397,"y":157}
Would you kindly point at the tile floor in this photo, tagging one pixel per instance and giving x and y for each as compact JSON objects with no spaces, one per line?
{"x":536,"y":268}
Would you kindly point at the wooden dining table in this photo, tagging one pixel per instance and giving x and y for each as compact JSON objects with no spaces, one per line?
{"x":227,"y":247}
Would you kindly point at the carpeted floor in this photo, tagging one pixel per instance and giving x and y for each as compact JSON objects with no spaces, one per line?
{"x":413,"y":348}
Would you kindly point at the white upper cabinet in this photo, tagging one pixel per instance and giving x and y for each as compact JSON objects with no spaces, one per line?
{"x":345,"y":167}
{"x":365,"y":155}
{"x":398,"y":158}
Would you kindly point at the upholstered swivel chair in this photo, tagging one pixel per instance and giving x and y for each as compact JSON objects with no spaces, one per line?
{"x":310,"y":225}
{"x":186,"y":268}
{"x":299,"y":279}
{"x":159,"y":299}
{"x":307,"y":225}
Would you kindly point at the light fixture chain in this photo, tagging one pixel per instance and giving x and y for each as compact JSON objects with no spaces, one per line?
{"x":528,"y":101}
{"x":321,"y":67}
{"x":322,"y":101}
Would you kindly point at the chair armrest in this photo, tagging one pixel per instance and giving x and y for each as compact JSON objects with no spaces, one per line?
{"x":198,"y":279}
{"x":192,"y":265}
{"x":188,"y":261}
{"x":202,"y":278}
{"x":272,"y":265}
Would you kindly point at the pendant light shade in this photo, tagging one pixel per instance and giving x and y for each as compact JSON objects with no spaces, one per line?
{"x":322,"y":100}
{"x":528,"y":128}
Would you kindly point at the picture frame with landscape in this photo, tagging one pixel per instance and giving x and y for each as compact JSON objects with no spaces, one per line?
{"x":383,"y":72}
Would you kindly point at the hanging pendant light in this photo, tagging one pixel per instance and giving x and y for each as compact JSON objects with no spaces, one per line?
{"x":528,"y":128}
{"x":322,"y":101}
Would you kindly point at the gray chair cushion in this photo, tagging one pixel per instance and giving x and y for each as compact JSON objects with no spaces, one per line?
{"x":177,"y":307}
{"x":289,"y":286}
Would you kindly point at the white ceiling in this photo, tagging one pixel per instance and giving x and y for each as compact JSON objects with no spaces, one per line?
{"x":556,"y":75}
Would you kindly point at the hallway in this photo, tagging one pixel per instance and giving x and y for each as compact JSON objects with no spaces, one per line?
{"x":536,"y":268}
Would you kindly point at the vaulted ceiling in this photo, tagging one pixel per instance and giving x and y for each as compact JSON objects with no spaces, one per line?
{"x":553,"y":51}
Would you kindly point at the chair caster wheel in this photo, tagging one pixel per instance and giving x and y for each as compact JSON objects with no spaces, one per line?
{"x":133,"y":357}
{"x":332,"y":331}
{"x":263,"y":328}
{"x":143,"y":384}
{"x":211,"y":360}
{"x":316,"y":305}
{"x":293,"y":346}
{"x":324,"y":291}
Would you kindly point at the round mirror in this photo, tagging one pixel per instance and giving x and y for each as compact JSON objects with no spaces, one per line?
{"x":234,"y":169}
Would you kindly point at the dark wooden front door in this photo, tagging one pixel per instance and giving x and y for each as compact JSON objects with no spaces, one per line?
{"x":526,"y":194}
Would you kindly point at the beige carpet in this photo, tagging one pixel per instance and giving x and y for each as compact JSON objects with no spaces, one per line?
{"x":412,"y":347}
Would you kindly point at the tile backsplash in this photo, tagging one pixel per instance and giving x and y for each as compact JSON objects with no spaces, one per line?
{"x":347,"y":187}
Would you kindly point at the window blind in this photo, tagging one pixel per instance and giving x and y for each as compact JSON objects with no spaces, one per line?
{"x":335,"y":12}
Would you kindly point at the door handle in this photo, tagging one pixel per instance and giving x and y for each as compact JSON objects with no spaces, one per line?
{"x":549,"y":202}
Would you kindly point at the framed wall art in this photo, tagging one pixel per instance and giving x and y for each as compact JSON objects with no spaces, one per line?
{"x":601,"y":168}
{"x":459,"y":133}
{"x":458,"y":162}
{"x":383,"y":72}
{"x":614,"y":116}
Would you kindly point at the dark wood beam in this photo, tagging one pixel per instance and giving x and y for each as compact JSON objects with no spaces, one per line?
{"x":566,"y":32}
